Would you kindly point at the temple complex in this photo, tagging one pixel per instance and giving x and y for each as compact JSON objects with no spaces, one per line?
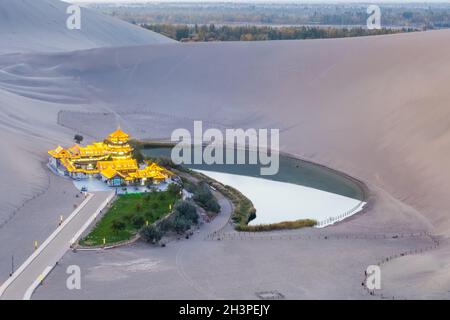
{"x":110,"y":160}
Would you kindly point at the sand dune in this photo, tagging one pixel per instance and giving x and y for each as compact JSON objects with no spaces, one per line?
{"x":40,"y":25}
{"x":375,"y":107}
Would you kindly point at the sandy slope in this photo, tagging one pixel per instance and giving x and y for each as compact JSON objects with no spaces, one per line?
{"x":40,"y":25}
{"x":31,"y":202}
{"x":374,"y":107}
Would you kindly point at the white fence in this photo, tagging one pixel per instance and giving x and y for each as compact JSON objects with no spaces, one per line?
{"x":334,"y":219}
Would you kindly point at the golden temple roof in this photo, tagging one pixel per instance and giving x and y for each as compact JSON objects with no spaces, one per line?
{"x":122,"y":164}
{"x":155,"y":167}
{"x":96,"y":149}
{"x":110,"y":173}
{"x":118,"y":135}
{"x":149,"y":172}
{"x":109,"y":158}
{"x":74,"y":150}
{"x":69,"y":166}
{"x":59,"y":153}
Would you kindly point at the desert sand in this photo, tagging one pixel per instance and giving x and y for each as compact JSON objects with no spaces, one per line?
{"x":36,"y":26}
{"x":375,"y":108}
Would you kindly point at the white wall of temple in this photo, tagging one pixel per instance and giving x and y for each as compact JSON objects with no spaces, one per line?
{"x":53,"y":162}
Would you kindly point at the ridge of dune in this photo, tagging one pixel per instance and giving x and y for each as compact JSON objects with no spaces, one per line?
{"x":389,"y":89}
{"x":374,"y":107}
{"x":40,"y":25}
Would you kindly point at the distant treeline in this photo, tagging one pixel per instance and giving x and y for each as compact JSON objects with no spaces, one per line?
{"x":394,"y":15}
{"x":257,"y":33}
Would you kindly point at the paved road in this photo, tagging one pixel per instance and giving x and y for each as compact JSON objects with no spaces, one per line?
{"x":31,"y":272}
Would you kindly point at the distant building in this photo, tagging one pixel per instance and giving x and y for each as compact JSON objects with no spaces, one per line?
{"x":110,"y":160}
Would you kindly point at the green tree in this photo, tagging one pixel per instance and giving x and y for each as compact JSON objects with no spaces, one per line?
{"x":187,"y":210}
{"x":78,"y":138}
{"x":151,"y":234}
{"x":204,"y":197}
{"x":137,"y":154}
{"x":181,"y":224}
{"x":182,"y":33}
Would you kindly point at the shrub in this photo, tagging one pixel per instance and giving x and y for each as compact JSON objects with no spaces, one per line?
{"x":212,"y":205}
{"x":204,"y":197}
{"x":190,"y":187}
{"x":117,"y":225}
{"x":252,"y":215}
{"x":137,"y":221}
{"x":243,"y":207}
{"x":164,"y":162}
{"x":174,"y":188}
{"x":278,"y":226}
{"x":166,"y":225}
{"x":151,"y":234}
{"x":187,"y":210}
{"x":181,"y":224}
{"x":149,"y":215}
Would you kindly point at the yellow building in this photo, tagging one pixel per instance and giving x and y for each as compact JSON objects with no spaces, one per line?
{"x":110,"y":160}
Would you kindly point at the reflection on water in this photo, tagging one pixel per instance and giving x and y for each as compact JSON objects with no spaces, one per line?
{"x":291,"y":170}
{"x":280,"y":201}
{"x":300,"y":190}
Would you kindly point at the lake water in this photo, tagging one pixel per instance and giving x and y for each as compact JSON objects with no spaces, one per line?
{"x":300,"y":190}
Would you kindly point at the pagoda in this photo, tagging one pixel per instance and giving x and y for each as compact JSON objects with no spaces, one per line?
{"x":111,"y":160}
{"x":117,"y":145}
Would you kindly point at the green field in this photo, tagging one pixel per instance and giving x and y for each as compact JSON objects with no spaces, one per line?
{"x":128,"y":214}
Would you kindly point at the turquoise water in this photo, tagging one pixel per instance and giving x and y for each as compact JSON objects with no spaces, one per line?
{"x":300,"y":190}
{"x":291,"y":171}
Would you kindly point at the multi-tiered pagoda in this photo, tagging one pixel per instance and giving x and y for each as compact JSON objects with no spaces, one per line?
{"x":110,"y":160}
